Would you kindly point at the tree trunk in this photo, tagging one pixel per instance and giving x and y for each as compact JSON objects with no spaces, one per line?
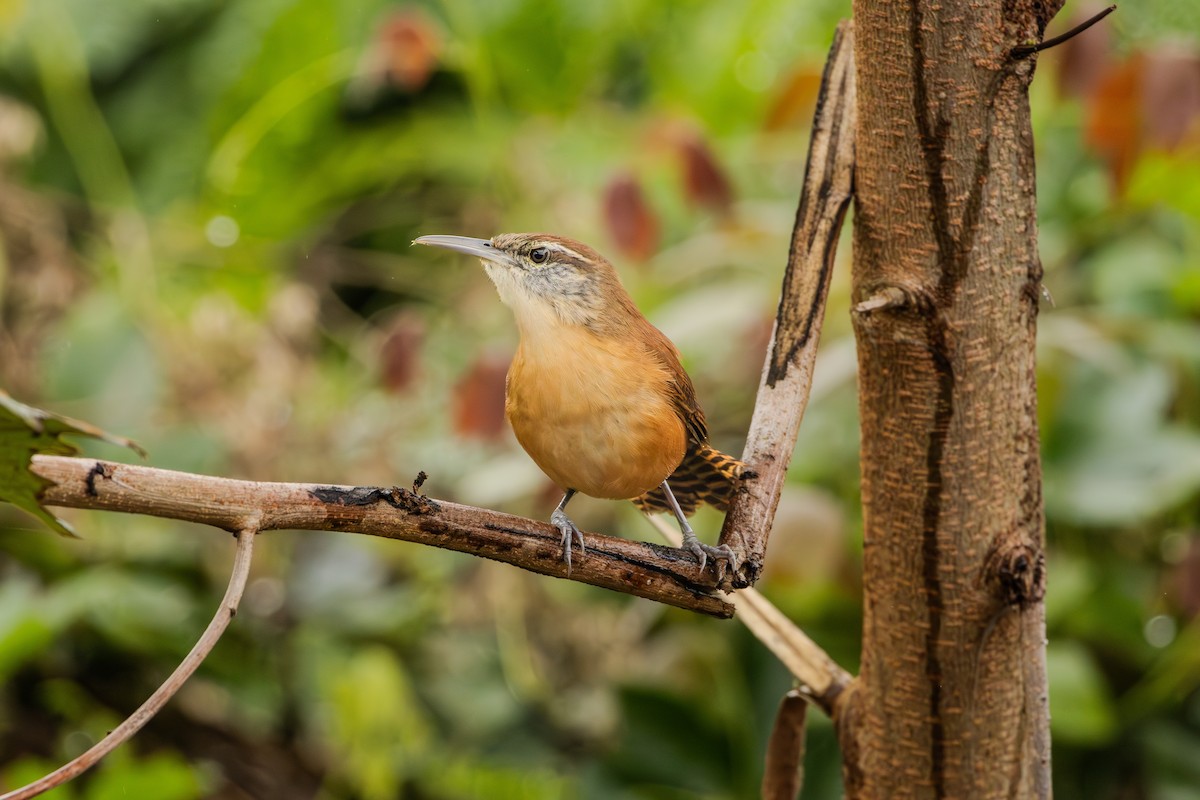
{"x":951,"y":700}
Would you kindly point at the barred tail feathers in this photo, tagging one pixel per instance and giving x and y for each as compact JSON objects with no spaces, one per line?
{"x":706,"y":475}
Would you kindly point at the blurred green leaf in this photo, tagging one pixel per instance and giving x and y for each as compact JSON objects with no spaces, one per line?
{"x":27,"y":770}
{"x":1073,"y":584}
{"x":669,"y":741}
{"x":1163,"y":178}
{"x":24,"y":629}
{"x":148,"y":613}
{"x":466,"y":779}
{"x":1171,"y":765}
{"x":376,"y":724}
{"x":163,"y":776}
{"x":1116,"y":460}
{"x":1081,"y":707}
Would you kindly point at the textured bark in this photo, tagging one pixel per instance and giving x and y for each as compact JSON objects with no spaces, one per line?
{"x":951,"y":699}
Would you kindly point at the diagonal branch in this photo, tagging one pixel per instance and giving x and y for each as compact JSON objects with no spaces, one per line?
{"x":788,"y":371}
{"x":134,"y":722}
{"x":822,"y":680}
{"x":638,"y":568}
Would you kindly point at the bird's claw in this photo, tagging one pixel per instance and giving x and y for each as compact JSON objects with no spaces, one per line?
{"x":722,"y":555}
{"x":569,"y":531}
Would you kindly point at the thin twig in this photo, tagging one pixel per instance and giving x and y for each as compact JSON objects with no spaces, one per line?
{"x":646,"y":570}
{"x":885,"y":298}
{"x":1025,"y":50}
{"x":134,"y":722}
{"x":788,"y":371}
{"x":783,"y":774}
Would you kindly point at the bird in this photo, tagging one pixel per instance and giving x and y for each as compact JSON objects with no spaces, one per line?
{"x":595,"y":394}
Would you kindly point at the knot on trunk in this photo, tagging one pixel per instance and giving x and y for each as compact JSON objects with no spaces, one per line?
{"x":1019,"y":572}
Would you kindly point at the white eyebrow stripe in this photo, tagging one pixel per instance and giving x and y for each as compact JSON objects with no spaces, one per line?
{"x":558,"y":248}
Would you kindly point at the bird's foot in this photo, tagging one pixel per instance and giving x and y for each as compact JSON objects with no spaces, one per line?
{"x":723,"y":555}
{"x":569,"y":531}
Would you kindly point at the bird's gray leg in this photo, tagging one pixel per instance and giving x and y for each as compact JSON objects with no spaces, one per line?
{"x":569,"y":531}
{"x":690,"y":542}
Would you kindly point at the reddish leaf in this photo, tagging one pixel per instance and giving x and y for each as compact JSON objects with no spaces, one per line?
{"x":705,"y":183}
{"x":793,"y":104}
{"x":410,"y":48}
{"x":479,"y":399}
{"x":1114,"y":123}
{"x":400,"y":354}
{"x":631,"y":223}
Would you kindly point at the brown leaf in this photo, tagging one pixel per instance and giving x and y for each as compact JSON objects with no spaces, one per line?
{"x":479,"y":399}
{"x":400,"y":355}
{"x":631,"y":223}
{"x":1082,"y":60}
{"x":1171,"y":96}
{"x":1114,"y":120}
{"x":793,"y":103}
{"x":1186,"y":578}
{"x":705,"y":182}
{"x":410,"y":48}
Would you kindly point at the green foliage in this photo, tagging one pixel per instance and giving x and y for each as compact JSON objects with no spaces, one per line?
{"x":205,"y":210}
{"x":25,"y":432}
{"x":1080,"y":706}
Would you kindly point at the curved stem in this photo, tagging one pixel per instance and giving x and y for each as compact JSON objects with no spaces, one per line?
{"x":134,"y":722}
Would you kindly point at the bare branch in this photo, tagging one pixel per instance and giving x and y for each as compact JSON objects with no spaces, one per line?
{"x":1025,"y":50}
{"x":646,"y":570}
{"x":135,"y":721}
{"x":885,"y":298}
{"x":787,"y":373}
{"x":783,"y":775}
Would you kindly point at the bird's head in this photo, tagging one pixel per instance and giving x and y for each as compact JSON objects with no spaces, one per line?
{"x":545,"y":279}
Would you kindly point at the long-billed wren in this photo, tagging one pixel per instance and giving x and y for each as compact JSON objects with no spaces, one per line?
{"x":596,"y":394}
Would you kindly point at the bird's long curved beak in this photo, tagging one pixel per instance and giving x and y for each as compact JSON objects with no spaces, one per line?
{"x":480,"y":248}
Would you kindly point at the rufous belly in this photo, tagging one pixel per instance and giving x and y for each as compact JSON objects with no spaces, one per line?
{"x":594,"y":414}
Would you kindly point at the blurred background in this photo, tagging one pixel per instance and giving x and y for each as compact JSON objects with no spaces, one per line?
{"x":206,"y":208}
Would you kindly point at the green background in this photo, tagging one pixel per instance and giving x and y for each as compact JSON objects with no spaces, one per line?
{"x":206,"y":208}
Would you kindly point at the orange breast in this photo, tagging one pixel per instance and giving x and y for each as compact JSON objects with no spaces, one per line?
{"x":594,"y":413}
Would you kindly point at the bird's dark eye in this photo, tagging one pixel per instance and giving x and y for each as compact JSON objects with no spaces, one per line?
{"x":539,"y":255}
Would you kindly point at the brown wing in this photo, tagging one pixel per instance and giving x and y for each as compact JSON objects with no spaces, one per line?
{"x":705,"y":475}
{"x":680,"y":389}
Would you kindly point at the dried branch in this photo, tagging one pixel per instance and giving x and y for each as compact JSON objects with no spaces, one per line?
{"x":783,"y":775}
{"x":1025,"y":50}
{"x":134,"y":722}
{"x":645,"y":570}
{"x":788,"y":371}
